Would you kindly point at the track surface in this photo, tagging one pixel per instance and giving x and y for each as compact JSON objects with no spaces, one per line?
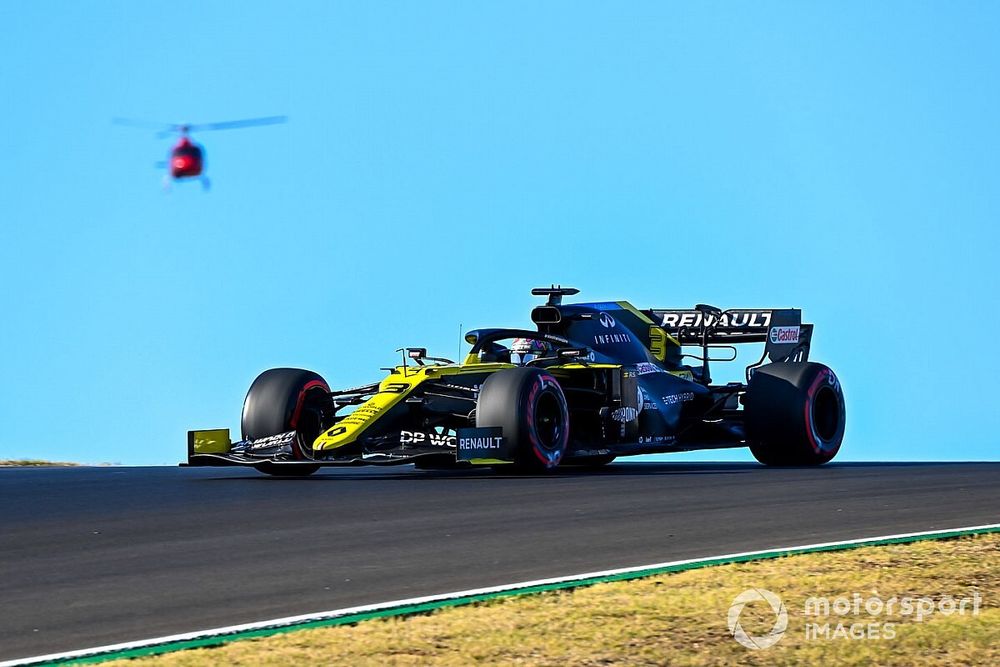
{"x":93,"y":556}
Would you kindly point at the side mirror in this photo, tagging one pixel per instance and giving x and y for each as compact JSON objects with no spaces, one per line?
{"x":416,"y":353}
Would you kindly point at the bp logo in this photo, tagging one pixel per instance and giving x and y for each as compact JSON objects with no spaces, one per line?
{"x":777,"y":630}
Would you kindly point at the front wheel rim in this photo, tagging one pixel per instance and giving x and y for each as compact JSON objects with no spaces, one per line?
{"x":309,"y":425}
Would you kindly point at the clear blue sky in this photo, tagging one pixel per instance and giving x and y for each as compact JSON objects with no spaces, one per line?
{"x":443,"y":158}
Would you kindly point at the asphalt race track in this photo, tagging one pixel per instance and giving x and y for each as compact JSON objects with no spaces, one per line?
{"x":94,"y":556}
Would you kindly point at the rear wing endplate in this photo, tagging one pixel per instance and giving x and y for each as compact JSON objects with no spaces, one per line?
{"x":781,"y":330}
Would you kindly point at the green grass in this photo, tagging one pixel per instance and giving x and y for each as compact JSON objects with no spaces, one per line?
{"x":676,"y":619}
{"x":10,"y":463}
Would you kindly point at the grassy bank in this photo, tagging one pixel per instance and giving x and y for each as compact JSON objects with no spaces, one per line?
{"x":11,"y":463}
{"x":681,"y":619}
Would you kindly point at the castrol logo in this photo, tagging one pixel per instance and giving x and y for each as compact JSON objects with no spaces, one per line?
{"x":784,"y":335}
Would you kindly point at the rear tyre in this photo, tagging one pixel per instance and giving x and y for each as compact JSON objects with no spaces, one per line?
{"x":530,"y":407}
{"x":795,"y":414}
{"x":282,"y":400}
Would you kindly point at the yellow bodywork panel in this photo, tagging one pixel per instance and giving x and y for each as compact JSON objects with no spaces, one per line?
{"x":212,"y":441}
{"x":658,"y":342}
{"x":395,"y":388}
{"x":577,"y":366}
{"x":658,"y":337}
{"x":625,"y":305}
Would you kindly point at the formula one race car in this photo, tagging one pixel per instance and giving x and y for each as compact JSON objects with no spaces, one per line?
{"x":593,"y":382}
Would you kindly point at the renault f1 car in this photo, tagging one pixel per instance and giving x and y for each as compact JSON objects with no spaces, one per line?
{"x":591,"y":382}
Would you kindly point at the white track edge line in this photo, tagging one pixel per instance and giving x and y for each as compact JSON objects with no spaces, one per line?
{"x":441,"y":597}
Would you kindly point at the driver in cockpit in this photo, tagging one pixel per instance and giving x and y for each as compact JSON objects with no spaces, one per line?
{"x":523,"y":350}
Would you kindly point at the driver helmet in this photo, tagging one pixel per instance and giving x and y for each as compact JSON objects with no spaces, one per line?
{"x":523,"y":350}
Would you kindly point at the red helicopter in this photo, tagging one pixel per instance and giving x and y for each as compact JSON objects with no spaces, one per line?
{"x":187,"y":158}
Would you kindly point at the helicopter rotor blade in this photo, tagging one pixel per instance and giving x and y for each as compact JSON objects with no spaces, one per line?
{"x":148,"y":125}
{"x":173,"y":129}
{"x":236,"y":124}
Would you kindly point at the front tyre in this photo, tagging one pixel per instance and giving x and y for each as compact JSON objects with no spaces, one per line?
{"x":795,"y":414}
{"x":282,"y":400}
{"x":530,"y":407}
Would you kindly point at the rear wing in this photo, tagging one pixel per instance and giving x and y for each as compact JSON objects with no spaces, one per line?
{"x":784,"y":336}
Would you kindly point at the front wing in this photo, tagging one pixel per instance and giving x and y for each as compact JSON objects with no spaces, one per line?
{"x":470,"y":446}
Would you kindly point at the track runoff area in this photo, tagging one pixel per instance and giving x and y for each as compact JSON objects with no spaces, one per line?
{"x":421,"y":605}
